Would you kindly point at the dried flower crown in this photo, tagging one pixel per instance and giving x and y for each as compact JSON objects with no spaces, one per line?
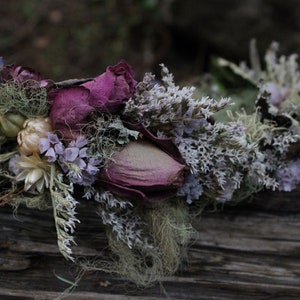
{"x":132,"y":145}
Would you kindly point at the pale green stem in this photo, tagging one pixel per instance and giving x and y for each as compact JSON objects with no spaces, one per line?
{"x":6,"y":156}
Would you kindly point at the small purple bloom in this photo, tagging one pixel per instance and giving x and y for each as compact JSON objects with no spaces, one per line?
{"x":83,"y":152}
{"x":51,"y":155}
{"x":79,"y":142}
{"x":90,"y":168}
{"x":71,"y":154}
{"x":44,"y":144}
{"x":79,"y":162}
{"x":51,"y":147}
{"x":88,"y":171}
{"x":59,"y":148}
{"x":73,"y":160}
{"x":53,"y":138}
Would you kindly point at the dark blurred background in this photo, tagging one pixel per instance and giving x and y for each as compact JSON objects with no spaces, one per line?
{"x":76,"y":39}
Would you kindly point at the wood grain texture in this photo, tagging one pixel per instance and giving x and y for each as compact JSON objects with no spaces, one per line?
{"x":249,"y":251}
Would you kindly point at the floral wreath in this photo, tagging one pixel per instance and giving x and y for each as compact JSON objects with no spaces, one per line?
{"x":151,"y":154}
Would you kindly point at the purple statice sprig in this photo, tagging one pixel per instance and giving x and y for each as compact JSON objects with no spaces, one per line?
{"x":288,"y":176}
{"x":74,"y":159}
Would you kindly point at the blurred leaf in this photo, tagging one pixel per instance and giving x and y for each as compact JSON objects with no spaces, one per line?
{"x":226,"y":77}
{"x":28,"y":8}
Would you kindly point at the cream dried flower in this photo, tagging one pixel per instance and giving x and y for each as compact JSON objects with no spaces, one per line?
{"x":33,"y":131}
{"x":34,"y":171}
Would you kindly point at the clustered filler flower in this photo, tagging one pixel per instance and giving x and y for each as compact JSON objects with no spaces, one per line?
{"x":149,"y":153}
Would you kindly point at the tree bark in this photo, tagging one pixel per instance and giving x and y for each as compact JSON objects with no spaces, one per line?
{"x":248,"y":251}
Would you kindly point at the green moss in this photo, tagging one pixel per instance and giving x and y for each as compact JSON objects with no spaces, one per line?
{"x":169,"y":229}
{"x":15,"y":97}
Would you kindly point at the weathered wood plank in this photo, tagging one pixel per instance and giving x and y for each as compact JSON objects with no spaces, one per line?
{"x":249,"y":251}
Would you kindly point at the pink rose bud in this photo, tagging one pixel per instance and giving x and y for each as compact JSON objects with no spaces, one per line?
{"x":141,"y":170}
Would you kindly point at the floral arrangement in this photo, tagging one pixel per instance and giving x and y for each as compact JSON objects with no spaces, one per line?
{"x":151,"y":154}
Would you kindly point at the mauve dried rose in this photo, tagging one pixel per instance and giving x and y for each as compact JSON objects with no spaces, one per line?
{"x":110,"y":90}
{"x":69,"y":110}
{"x":23,"y":75}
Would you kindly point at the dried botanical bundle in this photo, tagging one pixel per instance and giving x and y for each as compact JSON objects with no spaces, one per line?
{"x":150,"y":153}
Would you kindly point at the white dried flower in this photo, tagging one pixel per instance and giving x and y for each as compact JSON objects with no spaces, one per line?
{"x":34,"y":171}
{"x":33,"y":131}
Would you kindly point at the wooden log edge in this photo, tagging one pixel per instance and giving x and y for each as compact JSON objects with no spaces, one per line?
{"x":247,"y":251}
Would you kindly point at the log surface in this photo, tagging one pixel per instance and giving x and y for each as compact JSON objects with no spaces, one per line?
{"x":249,"y":251}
